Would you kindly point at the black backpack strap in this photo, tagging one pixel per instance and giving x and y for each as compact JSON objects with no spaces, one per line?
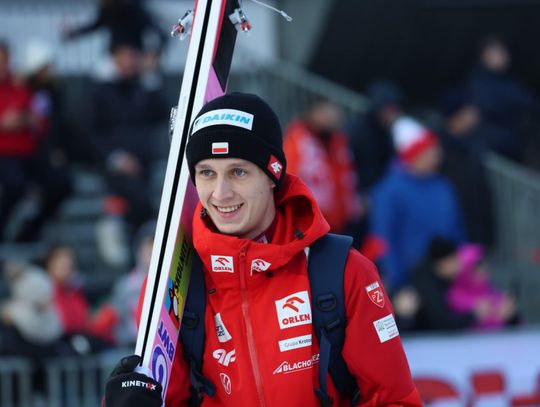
{"x":192,"y":333}
{"x":326,"y":269}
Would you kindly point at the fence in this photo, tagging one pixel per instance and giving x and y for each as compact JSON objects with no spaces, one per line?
{"x":15,"y":382}
{"x":516,"y":258}
{"x":58,"y":382}
{"x":289,"y":89}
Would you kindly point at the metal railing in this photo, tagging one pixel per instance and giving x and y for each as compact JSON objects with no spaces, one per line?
{"x":15,"y":382}
{"x":290,"y":89}
{"x":516,"y":258}
{"x":65,"y":381}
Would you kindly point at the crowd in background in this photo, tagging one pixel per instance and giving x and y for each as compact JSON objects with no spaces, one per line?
{"x":409,"y":188}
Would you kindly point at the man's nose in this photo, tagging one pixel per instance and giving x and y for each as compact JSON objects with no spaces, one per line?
{"x":222,"y":190}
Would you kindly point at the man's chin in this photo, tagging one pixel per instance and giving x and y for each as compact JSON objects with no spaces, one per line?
{"x":229,"y":229}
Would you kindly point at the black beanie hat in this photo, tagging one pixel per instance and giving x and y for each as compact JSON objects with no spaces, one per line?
{"x":238,"y":125}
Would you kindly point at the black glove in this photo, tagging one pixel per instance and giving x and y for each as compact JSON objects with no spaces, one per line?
{"x":126,"y":388}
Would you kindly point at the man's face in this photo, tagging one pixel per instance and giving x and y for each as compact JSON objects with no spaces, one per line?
{"x":237,"y":195}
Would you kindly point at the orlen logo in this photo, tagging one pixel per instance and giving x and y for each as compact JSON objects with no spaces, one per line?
{"x":294,"y":310}
{"x":288,"y":367}
{"x":275,"y":166}
{"x":222,"y":264}
{"x":223,"y":357}
{"x":259,"y":265}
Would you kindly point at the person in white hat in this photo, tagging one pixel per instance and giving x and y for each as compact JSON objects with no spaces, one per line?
{"x":413,"y":203}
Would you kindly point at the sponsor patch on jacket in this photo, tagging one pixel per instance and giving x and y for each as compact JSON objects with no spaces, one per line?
{"x":222,"y":264}
{"x":229,"y":117}
{"x":386,"y":328}
{"x":292,"y":367}
{"x":222,"y":334}
{"x":375,"y":294}
{"x":226,"y":383}
{"x":294,"y":343}
{"x":220,"y":148}
{"x":294,"y":310}
{"x":223,"y":357}
{"x":259,"y":265}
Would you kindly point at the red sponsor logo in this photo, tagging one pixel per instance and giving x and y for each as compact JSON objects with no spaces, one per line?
{"x":222,"y":264}
{"x":275,"y":166}
{"x":375,"y":294}
{"x":290,"y":303}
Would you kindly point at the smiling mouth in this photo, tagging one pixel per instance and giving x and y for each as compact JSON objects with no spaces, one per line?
{"x":228,"y":209}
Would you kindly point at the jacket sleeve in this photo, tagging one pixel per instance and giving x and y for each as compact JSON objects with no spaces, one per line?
{"x":178,"y":390}
{"x":372,"y":349}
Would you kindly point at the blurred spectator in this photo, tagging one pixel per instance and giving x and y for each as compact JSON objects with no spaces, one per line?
{"x":473,"y":286}
{"x":413,"y":202}
{"x":432,"y":279}
{"x":47,"y":105}
{"x":128,"y":22}
{"x":30,"y":325}
{"x":68,"y":297}
{"x":23,"y":127}
{"x":118,"y":131}
{"x":451,"y":290}
{"x":370,"y":136}
{"x":318,"y":152}
{"x":503,"y":100}
{"x":71,"y":304}
{"x":127,"y":289}
{"x":462,"y":142}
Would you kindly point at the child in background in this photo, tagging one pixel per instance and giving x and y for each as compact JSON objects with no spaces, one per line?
{"x":473,"y":286}
{"x":71,"y":303}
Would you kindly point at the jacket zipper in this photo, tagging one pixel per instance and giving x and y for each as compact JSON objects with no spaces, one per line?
{"x":249,"y":330}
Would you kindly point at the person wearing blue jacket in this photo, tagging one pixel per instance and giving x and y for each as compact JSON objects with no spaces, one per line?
{"x":413,"y":203}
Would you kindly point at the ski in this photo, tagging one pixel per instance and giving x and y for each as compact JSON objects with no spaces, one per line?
{"x":213,"y":25}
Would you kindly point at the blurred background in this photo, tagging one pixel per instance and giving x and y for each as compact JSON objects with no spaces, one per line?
{"x":415,"y":123}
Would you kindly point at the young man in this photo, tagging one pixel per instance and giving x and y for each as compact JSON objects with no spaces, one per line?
{"x":252,"y":212}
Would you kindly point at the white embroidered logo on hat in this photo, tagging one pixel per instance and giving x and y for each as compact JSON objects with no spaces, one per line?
{"x":220,"y":148}
{"x":275,"y":166}
{"x":230,"y":117}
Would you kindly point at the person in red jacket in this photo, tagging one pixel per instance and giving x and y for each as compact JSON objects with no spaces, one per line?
{"x":260,"y":345}
{"x":318,"y":152}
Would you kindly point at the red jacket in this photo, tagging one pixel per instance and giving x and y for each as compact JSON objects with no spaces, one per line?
{"x":327,"y":169}
{"x":15,"y":97}
{"x":260,"y":346}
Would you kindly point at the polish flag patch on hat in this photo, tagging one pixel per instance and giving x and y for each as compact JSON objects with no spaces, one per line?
{"x":220,"y":148}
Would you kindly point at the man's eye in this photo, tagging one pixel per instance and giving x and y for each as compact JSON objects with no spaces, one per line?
{"x":239,"y":172}
{"x":206,"y":173}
